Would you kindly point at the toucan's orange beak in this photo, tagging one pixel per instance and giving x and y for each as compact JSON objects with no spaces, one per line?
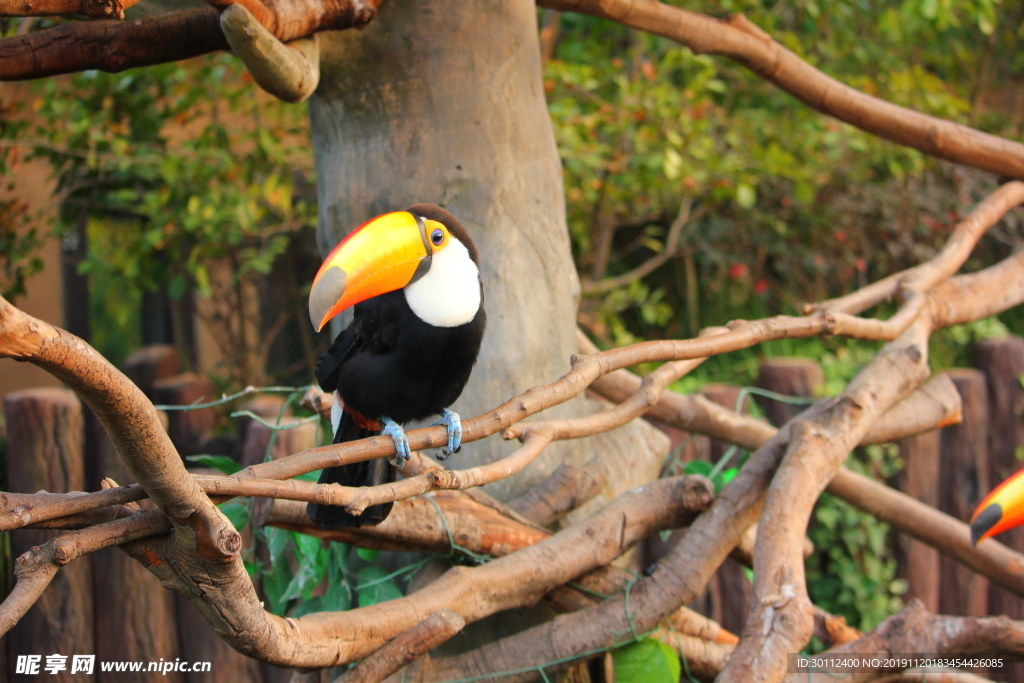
{"x":1001,"y":510}
{"x":380,"y":256}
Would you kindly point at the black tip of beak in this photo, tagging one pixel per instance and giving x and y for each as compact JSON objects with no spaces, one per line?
{"x":988,"y":518}
{"x":324,"y":294}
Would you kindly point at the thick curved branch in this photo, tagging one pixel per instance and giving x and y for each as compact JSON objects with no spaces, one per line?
{"x":130,"y":420}
{"x":288,"y":72}
{"x":111,"y":46}
{"x":115,"y":46}
{"x":94,"y":9}
{"x":742,"y":41}
{"x":781,"y":618}
{"x":411,"y":645}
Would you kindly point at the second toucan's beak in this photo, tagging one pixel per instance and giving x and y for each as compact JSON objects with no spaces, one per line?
{"x":1002,"y":509}
{"x":384,"y":254}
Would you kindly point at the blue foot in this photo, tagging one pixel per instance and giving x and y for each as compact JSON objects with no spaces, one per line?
{"x":397,"y":434}
{"x":454,"y":424}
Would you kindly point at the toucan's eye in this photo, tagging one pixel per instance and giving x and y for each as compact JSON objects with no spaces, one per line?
{"x":437,"y":237}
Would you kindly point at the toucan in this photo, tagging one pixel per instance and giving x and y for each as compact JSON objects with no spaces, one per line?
{"x":414,"y":279}
{"x":1002,"y":509}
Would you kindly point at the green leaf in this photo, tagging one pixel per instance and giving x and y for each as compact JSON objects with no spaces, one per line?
{"x":338,"y":596}
{"x":311,"y":570}
{"x":306,"y":547}
{"x":221,"y":463}
{"x":237,"y":513}
{"x":746,"y":196}
{"x":729,"y":474}
{"x":701,"y":467}
{"x":275,"y":582}
{"x":649,"y":661}
{"x":310,"y":476}
{"x":277,"y":541}
{"x":367,"y":554}
{"x":374,"y":588}
{"x":308,"y":607}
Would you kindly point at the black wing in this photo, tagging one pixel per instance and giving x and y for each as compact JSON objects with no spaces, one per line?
{"x":374,"y":328}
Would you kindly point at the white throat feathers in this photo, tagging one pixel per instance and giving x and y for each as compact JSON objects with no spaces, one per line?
{"x":449,"y":294}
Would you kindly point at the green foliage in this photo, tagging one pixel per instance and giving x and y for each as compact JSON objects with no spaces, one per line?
{"x":376,"y":585}
{"x":191,"y":183}
{"x":19,"y":242}
{"x":706,"y":469}
{"x":221,"y":463}
{"x":785,"y":205}
{"x":646,"y":661}
{"x":237,"y":513}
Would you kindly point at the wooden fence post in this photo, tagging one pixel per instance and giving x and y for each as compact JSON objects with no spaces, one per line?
{"x":188,"y":429}
{"x":146,"y":365}
{"x":731,"y":592}
{"x":963,"y":479}
{"x":135,"y":616}
{"x":200,"y":643}
{"x":800,"y":377}
{"x":919,"y":562}
{"x":45,"y":438}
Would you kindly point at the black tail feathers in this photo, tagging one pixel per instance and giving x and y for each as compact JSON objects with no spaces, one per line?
{"x":369,"y":473}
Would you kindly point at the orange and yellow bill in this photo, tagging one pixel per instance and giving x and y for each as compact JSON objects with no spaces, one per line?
{"x":382,"y":255}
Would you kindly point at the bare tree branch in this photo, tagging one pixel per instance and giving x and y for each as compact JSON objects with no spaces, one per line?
{"x":24,"y":509}
{"x":670,"y":250}
{"x":567,"y":488}
{"x":411,"y":645}
{"x":94,"y":9}
{"x":111,"y":46}
{"x":958,"y":247}
{"x":115,"y":46}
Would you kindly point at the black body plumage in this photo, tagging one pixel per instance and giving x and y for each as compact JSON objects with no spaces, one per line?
{"x":389,"y":362}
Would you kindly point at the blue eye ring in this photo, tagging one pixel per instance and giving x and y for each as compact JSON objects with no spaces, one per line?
{"x":437,"y":237}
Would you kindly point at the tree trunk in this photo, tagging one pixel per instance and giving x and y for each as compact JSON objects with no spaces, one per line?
{"x":963,"y":477}
{"x":45,"y":451}
{"x":443,"y":102}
